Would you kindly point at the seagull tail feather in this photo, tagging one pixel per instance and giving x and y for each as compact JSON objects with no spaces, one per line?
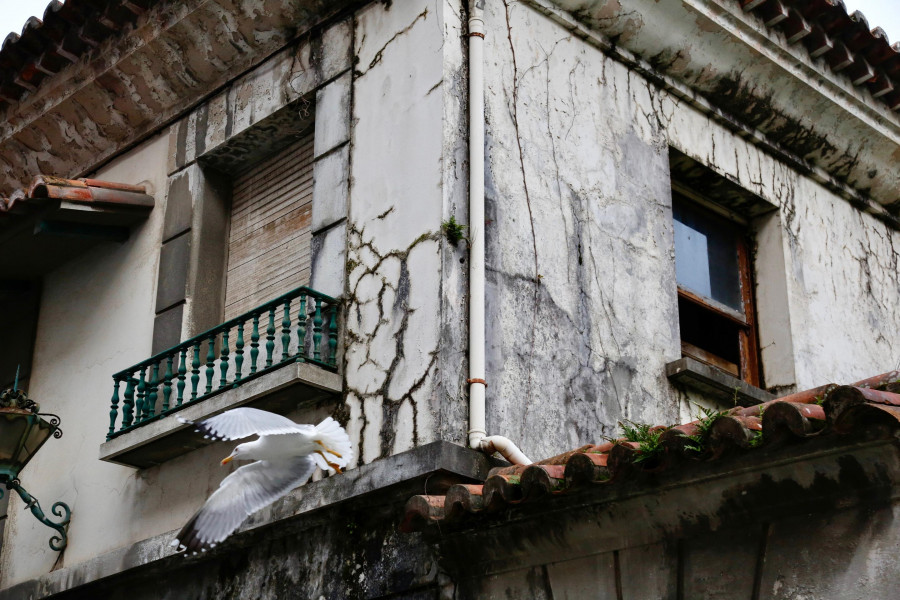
{"x":330,"y":433}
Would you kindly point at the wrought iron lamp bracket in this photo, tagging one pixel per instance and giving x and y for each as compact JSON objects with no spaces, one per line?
{"x":17,"y":399}
{"x":60,"y":509}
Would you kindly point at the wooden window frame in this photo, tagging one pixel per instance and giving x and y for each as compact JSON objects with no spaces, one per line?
{"x":748,"y":345}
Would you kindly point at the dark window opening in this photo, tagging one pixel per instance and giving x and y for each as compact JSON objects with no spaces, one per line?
{"x":19,"y":301}
{"x":713,"y":335}
{"x":706,"y":254}
{"x":715,"y":295}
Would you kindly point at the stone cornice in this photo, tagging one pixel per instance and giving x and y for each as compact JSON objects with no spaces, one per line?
{"x":730,"y":66}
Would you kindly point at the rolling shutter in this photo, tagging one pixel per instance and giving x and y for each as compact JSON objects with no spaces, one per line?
{"x":269,"y":242}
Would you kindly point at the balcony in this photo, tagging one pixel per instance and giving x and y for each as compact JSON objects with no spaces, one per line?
{"x":277,"y":356}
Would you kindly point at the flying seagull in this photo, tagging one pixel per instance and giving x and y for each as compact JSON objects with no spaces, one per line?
{"x":286,"y":455}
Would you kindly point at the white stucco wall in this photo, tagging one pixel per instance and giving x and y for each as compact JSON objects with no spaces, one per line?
{"x":582,"y":296}
{"x":96,"y":317}
{"x":394,"y":226}
{"x":97,"y":312}
{"x":582,"y":311}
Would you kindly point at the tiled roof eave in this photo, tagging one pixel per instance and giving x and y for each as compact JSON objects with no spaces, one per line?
{"x":53,"y":220}
{"x":68,"y":31}
{"x":46,"y":189}
{"x":843,"y":41}
{"x":828,"y":419}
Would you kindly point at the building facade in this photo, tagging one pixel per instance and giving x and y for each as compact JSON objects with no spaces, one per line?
{"x":240,"y":202}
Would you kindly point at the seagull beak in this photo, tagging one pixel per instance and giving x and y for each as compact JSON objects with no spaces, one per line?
{"x":227,"y":460}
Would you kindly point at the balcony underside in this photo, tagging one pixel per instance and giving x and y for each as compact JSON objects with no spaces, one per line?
{"x":283,"y":390}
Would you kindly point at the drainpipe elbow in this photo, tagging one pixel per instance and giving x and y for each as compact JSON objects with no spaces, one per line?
{"x":506,"y":448}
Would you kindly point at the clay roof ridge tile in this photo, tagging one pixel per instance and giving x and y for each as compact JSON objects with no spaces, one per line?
{"x":860,"y":408}
{"x":539,"y":480}
{"x":730,"y":432}
{"x":421,"y":510}
{"x":9,"y":41}
{"x":498,"y":491}
{"x":462,"y":499}
{"x":784,"y":420}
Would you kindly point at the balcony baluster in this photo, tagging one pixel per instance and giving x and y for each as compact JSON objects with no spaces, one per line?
{"x":195,"y":372}
{"x":301,"y":328}
{"x":210,"y":363}
{"x":270,"y":338}
{"x":150,"y":405}
{"x":286,"y":330}
{"x":114,"y":408}
{"x":332,"y":335}
{"x":254,"y":343}
{"x":239,"y":355}
{"x":141,"y":393}
{"x":317,"y":330}
{"x":182,"y":373}
{"x":142,"y":381}
{"x":167,"y":382}
{"x":128,"y":402}
{"x":223,"y":361}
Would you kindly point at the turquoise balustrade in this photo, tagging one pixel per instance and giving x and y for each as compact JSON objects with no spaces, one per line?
{"x":309,"y":331}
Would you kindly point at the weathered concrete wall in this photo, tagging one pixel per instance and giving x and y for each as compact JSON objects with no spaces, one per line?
{"x":582,"y":306}
{"x":846,"y":555}
{"x":95,"y":317}
{"x":715,"y":50}
{"x":344,"y":553}
{"x":404,"y":183}
{"x":383,"y":186}
{"x":582,"y":297}
{"x":348,"y":555}
{"x":811,"y":520}
{"x":97,"y":313}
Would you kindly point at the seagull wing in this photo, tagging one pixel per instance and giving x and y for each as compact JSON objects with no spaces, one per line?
{"x":241,"y":494}
{"x":243,"y":422}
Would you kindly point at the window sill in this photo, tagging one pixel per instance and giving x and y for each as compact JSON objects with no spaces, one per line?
{"x":715,"y":383}
{"x":279,"y":391}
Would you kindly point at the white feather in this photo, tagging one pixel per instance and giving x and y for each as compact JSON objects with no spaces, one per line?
{"x":287,"y":453}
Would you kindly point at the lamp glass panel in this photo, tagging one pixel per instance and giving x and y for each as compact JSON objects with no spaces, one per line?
{"x":35,"y":439}
{"x":12,"y":428}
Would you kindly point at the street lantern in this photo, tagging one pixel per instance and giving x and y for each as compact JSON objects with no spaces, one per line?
{"x":23,"y":430}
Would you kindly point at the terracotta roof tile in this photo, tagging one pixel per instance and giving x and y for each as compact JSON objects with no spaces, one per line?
{"x":67,"y":32}
{"x":70,"y":30}
{"x":844,"y":40}
{"x":863,"y":408}
{"x":45,"y":190}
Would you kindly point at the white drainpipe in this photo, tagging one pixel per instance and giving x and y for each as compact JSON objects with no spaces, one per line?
{"x":476,"y":381}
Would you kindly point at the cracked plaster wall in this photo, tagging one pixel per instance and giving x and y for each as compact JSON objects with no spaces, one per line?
{"x":582,"y":308}
{"x":581,"y":292}
{"x":405,"y":300}
{"x":404,"y":176}
{"x":96,"y":315}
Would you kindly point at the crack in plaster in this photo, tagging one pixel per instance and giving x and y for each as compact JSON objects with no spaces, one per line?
{"x":389,"y":271}
{"x":380,"y":53}
{"x":514,"y":113}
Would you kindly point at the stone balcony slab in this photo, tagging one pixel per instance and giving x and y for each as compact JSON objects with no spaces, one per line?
{"x":281,"y":391}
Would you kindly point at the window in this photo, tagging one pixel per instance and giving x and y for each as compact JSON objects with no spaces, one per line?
{"x":715,"y":291}
{"x":269,"y":240}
